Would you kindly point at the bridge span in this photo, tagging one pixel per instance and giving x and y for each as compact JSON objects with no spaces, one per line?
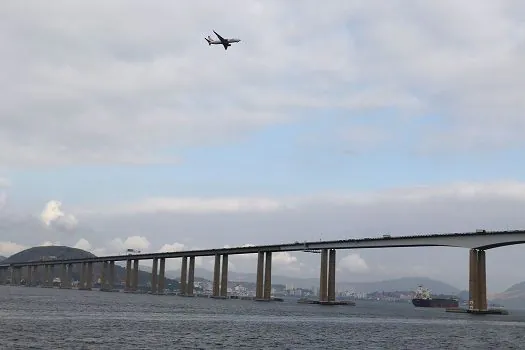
{"x":477,"y":242}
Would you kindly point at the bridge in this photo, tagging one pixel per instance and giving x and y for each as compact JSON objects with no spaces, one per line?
{"x":477,"y":242}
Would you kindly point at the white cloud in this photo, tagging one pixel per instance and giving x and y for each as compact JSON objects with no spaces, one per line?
{"x":353,"y":263}
{"x":50,"y":243}
{"x":83,"y":244}
{"x":9,"y":248}
{"x":4,"y":182}
{"x":199,"y":205}
{"x":52,"y":215}
{"x":140,"y":243}
{"x":174,"y":247}
{"x":459,"y":191}
{"x":159,"y":83}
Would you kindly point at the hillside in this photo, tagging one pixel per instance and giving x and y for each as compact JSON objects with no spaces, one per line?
{"x":399,"y":284}
{"x":64,"y":252}
{"x":513,"y":297}
{"x":2,"y":258}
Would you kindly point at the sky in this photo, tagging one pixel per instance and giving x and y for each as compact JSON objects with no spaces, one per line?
{"x":120,"y":127}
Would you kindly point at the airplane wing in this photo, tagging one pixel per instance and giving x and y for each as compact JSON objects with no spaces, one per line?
{"x":220,"y":37}
{"x":224,"y":42}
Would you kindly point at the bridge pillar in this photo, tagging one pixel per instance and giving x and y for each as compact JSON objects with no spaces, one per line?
{"x":162,"y":277}
{"x":35,"y":275}
{"x":477,"y":280}
{"x":191,"y":276}
{"x":28,"y":275}
{"x":216,"y":275}
{"x":51,"y":275}
{"x":63,"y":277}
{"x":268,"y":277}
{"x":154,"y":269}
{"x":183,"y":276}
{"x":103,"y":275}
{"x":260,"y":271}
{"x":482,"y":281}
{"x":83,"y":276}
{"x":89,"y":276}
{"x":69,"y":276}
{"x":473,"y":279}
{"x":111,"y":282}
{"x":135,"y":279}
{"x":128,"y":275}
{"x":331,"y":276}
{"x":323,"y":278}
{"x":224,"y":276}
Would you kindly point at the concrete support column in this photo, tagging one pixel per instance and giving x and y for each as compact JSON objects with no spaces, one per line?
{"x":69,"y":276}
{"x":216,"y":275}
{"x":154,"y":276}
{"x":135,"y":279}
{"x":473,"y":279}
{"x":191,"y":276}
{"x":224,"y":276}
{"x":482,"y":281}
{"x":103,"y":275}
{"x":183,"y":275}
{"x":89,"y":276}
{"x":162,"y":277}
{"x":51,"y":275}
{"x":83,"y":276}
{"x":111,"y":282}
{"x":260,"y":270}
{"x":128,"y":275}
{"x":35,"y":276}
{"x":331,"y":276}
{"x":63,"y":276}
{"x":29,"y":279}
{"x":323,"y":278}
{"x":268,"y":276}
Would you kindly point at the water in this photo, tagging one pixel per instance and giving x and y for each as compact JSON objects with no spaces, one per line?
{"x":39,"y":318}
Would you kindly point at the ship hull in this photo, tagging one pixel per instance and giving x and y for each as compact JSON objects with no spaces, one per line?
{"x":439,"y":303}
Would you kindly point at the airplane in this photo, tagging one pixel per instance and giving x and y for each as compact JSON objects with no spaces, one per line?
{"x":222,"y":41}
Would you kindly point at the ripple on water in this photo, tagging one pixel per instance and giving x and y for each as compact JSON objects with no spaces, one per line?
{"x":34,"y":318}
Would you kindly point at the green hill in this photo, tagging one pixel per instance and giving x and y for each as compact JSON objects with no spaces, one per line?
{"x":64,"y":252}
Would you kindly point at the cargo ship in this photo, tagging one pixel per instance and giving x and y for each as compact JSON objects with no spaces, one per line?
{"x":423,"y":298}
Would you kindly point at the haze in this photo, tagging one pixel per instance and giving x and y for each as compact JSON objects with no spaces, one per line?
{"x":120,"y":127}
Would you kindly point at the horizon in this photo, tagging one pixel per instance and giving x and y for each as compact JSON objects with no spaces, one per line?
{"x":378,"y":119}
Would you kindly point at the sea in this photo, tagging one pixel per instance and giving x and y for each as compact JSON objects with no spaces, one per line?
{"x":42,"y":318}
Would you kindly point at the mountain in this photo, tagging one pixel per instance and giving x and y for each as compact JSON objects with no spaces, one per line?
{"x":64,"y":252}
{"x":399,"y":284}
{"x":2,"y":258}
{"x":512,"y":298}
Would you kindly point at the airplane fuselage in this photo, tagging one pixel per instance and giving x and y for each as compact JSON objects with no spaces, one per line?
{"x":218,"y":42}
{"x":222,"y":41}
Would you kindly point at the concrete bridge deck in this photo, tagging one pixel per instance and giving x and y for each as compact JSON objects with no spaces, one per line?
{"x":477,"y":242}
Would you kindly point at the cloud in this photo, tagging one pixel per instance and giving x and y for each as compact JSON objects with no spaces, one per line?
{"x":353,"y":263}
{"x":9,"y":248}
{"x":199,"y":205}
{"x":140,"y":243}
{"x":160,"y":91}
{"x":83,"y":244}
{"x":4,"y":182}
{"x":174,"y":247}
{"x":52,"y":215}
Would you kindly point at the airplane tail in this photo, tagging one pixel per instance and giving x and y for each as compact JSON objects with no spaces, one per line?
{"x":208,"y":39}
